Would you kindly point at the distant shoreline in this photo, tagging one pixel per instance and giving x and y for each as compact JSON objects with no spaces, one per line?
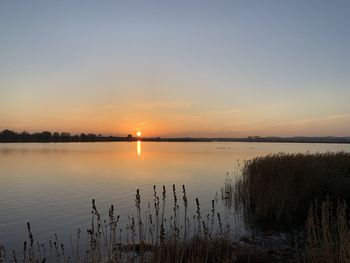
{"x":263,"y":140}
{"x":8,"y":136}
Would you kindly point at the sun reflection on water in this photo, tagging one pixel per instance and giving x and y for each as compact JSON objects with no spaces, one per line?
{"x":138,"y":145}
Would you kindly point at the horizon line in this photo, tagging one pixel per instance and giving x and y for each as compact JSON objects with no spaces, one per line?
{"x":173,"y":137}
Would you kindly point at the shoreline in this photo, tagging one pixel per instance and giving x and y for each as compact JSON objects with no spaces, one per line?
{"x":179,"y":140}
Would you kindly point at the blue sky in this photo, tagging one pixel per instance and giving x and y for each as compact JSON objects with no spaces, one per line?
{"x":181,"y":68}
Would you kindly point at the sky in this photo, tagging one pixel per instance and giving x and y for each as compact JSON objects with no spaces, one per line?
{"x":176,"y":68}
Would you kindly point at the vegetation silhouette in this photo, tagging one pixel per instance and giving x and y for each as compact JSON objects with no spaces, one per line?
{"x":277,"y":190}
{"x":46,"y":136}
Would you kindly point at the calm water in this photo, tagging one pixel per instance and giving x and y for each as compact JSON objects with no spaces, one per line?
{"x":51,"y":185}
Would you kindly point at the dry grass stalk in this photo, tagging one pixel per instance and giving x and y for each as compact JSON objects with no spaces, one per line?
{"x":148,"y":237}
{"x":328,"y":234}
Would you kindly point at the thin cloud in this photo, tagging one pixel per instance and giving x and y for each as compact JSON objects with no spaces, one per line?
{"x":164,"y":105}
{"x":202,"y":115}
{"x":188,"y":116}
{"x":341,"y":116}
{"x":300,"y":123}
{"x":225,"y":111}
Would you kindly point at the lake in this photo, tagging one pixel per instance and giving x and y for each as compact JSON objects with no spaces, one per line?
{"x":51,"y":184}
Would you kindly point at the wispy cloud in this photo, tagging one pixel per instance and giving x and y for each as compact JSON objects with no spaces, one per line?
{"x":109,"y":107}
{"x":164,"y":105}
{"x":225,"y":111}
{"x":203,"y":115}
{"x":299,"y":123}
{"x":184,"y":117}
{"x":315,"y":120}
{"x":341,"y":116}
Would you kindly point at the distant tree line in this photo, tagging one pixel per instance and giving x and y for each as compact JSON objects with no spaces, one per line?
{"x":46,"y":136}
{"x":299,"y":139}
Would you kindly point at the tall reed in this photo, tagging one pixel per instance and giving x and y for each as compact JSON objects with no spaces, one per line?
{"x":328,"y":234}
{"x":148,"y":237}
{"x":277,"y":190}
{"x":2,"y":253}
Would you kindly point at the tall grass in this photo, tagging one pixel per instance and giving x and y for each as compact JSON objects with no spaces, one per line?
{"x":328,"y":234}
{"x":277,"y":190}
{"x":2,"y":254}
{"x":149,"y":236}
{"x":231,"y":183}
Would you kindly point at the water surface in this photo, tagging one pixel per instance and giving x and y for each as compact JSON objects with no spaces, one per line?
{"x":52,"y":184}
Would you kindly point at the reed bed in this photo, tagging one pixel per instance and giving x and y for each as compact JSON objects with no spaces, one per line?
{"x":149,"y":236}
{"x":277,"y":190}
{"x":231,"y":182}
{"x":328,"y":234}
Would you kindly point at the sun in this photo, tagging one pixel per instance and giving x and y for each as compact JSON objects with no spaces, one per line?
{"x":138,"y":134}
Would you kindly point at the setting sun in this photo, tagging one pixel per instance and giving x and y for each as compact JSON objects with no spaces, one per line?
{"x":138,"y":134}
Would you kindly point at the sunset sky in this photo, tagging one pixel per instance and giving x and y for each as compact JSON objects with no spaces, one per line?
{"x":176,"y":68}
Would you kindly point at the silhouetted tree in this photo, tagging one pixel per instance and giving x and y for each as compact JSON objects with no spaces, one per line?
{"x":65,"y":136}
{"x":24,"y":136}
{"x":91,"y":137}
{"x":45,"y":135}
{"x":56,"y":136}
{"x":83,"y":137}
{"x":8,"y":136}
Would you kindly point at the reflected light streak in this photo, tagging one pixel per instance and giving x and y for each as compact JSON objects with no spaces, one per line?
{"x":138,"y":145}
